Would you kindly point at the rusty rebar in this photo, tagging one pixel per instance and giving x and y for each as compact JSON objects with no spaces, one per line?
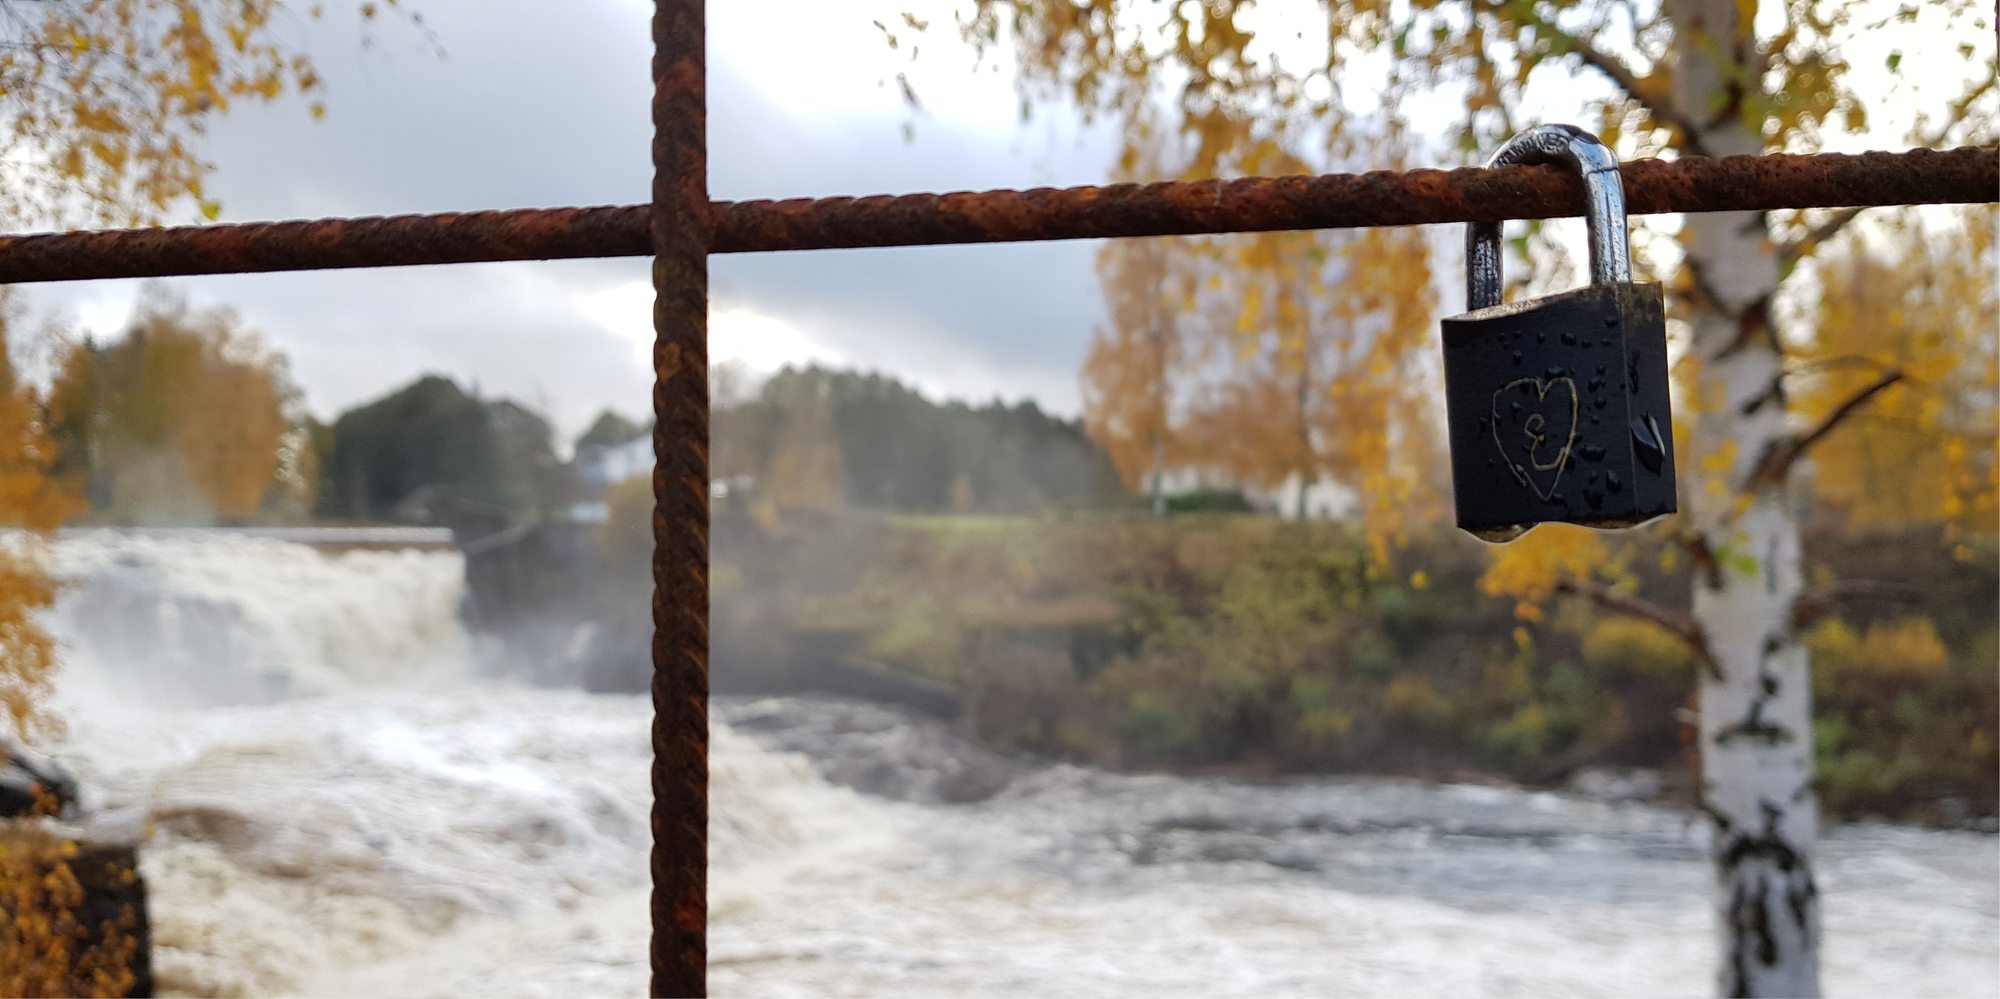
{"x":1338,"y":201}
{"x":1415,"y":197}
{"x":679,"y":241}
{"x":328,"y":244}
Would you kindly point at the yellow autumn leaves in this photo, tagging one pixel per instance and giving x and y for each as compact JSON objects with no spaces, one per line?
{"x":181,"y":419}
{"x":1918,"y":297}
{"x":1270,"y":357}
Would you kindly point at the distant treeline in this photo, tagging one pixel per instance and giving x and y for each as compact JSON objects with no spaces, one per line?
{"x":820,"y":438}
{"x":190,"y":419}
{"x":812,"y":438}
{"x":431,"y":453}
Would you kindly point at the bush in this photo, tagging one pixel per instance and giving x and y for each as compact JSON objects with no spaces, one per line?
{"x":1629,"y":643}
{"x":1217,"y":640}
{"x":46,"y":948}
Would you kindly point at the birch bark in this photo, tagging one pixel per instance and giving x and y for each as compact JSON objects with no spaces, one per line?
{"x":1756,"y":711}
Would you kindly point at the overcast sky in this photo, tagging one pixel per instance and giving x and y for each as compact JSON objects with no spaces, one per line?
{"x":541,"y":104}
{"x":538,"y":103}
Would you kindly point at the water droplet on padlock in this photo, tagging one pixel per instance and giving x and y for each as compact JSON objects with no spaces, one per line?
{"x":1599,"y":402}
{"x":1646,"y":443}
{"x":1597,"y":384}
{"x":1594,"y":498}
{"x":1593,"y":452}
{"x":1613,"y":482}
{"x":1569,"y":339}
{"x":1517,"y":357}
{"x":1554,"y":372}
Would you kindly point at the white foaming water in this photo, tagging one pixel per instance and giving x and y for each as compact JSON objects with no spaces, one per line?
{"x":393,"y":838}
{"x":195,"y":619}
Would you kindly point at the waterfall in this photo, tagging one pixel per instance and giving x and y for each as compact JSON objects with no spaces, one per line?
{"x":203,"y":618}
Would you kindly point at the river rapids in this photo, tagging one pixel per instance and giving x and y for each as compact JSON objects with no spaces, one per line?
{"x":335,"y":804}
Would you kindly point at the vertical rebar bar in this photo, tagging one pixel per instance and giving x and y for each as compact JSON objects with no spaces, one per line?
{"x":680,"y":235}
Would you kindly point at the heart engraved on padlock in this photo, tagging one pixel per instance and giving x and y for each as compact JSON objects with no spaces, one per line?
{"x":1570,"y":388}
{"x":1532,"y":427}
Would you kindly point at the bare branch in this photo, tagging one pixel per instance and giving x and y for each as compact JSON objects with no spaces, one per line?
{"x":1838,"y":361}
{"x":1800,"y":248}
{"x":1840,"y":412}
{"x":1803,"y":246}
{"x":1680,"y":623}
{"x":1783,"y":454}
{"x":1621,"y":76}
{"x":1696,"y":545}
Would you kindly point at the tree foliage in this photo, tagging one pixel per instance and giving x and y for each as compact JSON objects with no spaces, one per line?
{"x":107,"y":101}
{"x":183,"y":419}
{"x":430,"y":453}
{"x":1916,"y":298}
{"x":815,"y":438}
{"x":1228,"y":87}
{"x":33,"y":500}
{"x":48,"y":946}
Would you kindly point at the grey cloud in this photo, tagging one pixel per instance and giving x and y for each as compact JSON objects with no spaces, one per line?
{"x":541,"y":104}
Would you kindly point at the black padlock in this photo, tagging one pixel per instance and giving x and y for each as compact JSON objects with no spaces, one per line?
{"x":1558,"y":405}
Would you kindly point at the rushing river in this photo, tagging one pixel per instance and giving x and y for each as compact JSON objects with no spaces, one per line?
{"x":366,"y":818}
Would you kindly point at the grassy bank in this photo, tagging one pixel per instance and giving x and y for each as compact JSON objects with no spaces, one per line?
{"x":1260,"y":645}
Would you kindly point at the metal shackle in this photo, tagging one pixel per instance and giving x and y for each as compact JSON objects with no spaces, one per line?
{"x":1603,"y":211}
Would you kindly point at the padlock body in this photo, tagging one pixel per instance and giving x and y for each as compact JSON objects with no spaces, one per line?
{"x":1559,"y":412}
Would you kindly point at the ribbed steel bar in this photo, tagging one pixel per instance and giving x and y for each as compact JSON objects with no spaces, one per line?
{"x":1742,"y":183}
{"x":679,"y":241}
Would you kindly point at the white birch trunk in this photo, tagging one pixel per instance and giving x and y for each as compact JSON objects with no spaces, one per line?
{"x":1756,"y":712}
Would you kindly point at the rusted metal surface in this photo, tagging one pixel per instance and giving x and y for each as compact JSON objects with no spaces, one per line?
{"x":679,"y":240}
{"x":1337,"y":201}
{"x":1959,"y":176}
{"x":537,"y":234}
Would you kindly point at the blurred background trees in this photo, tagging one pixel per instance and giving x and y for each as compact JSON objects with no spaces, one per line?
{"x":181,"y":420}
{"x":1214,"y":88}
{"x":431,"y":454}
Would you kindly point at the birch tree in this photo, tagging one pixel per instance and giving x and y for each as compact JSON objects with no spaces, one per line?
{"x":1674,"y":78}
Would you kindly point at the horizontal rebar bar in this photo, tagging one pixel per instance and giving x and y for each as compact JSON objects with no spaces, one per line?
{"x":1332,"y":201}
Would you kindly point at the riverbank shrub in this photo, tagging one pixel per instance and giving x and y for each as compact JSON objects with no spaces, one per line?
{"x":1258,"y":645}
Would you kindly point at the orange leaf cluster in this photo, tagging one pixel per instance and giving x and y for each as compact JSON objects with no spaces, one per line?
{"x":44,"y":949}
{"x":183,"y":419}
{"x":1530,"y":569}
{"x":1916,"y":296}
{"x":109,"y":100}
{"x":32,"y":501}
{"x":1267,"y":357}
